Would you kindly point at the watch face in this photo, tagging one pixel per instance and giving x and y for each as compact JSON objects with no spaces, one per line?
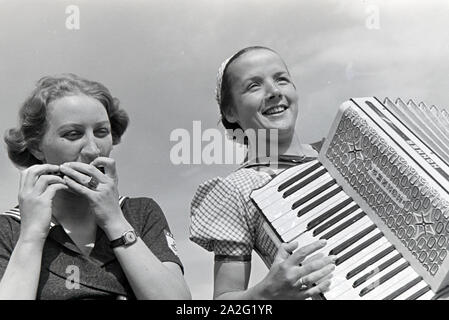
{"x":130,"y":237}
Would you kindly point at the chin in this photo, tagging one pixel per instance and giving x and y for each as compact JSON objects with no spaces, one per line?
{"x":69,"y":192}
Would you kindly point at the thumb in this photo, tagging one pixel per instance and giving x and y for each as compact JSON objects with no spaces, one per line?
{"x":285,"y":250}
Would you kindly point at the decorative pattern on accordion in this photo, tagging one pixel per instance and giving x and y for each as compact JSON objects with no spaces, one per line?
{"x":404,"y":201}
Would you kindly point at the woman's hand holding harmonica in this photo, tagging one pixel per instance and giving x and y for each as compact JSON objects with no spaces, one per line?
{"x":292,"y":276}
{"x":38,"y":186}
{"x":99,"y":188}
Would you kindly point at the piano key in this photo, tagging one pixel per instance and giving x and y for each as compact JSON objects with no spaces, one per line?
{"x":365,"y":277}
{"x":314,"y":193}
{"x":419,"y":293}
{"x":277,"y":204}
{"x":290,"y":222}
{"x":299,"y":224}
{"x":343,"y":226}
{"x":271,"y":189}
{"x":329,"y":213}
{"x":362,"y":257}
{"x":358,"y":248}
{"x":403,"y":289}
{"x":392,"y":284}
{"x":375,"y":284}
{"x":369,"y":262}
{"x":292,"y":234}
{"x":339,"y":281}
{"x":281,"y":209}
{"x":346,"y":290}
{"x":302,"y":184}
{"x":307,"y":237}
{"x":412,"y":290}
{"x":344,"y":245}
{"x":269,"y":198}
{"x":299,"y":176}
{"x":342,"y":269}
{"x":326,"y":196}
{"x":334,"y":220}
{"x":346,"y":233}
{"x":427,"y":296}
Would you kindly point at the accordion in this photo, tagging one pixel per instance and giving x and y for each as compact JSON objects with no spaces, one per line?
{"x":379,"y":194}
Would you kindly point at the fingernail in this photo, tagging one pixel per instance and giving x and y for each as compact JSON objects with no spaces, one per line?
{"x":323,"y":241}
{"x":333,"y":258}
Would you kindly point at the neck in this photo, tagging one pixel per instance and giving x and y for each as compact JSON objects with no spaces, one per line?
{"x":69,"y":208}
{"x":290,"y":145}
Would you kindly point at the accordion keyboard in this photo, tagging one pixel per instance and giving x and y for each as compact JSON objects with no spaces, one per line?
{"x":309,"y":205}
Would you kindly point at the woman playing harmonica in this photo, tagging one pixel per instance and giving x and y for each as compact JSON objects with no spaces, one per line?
{"x":72,"y":236}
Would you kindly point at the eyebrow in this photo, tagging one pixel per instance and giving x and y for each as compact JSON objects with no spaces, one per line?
{"x":255,"y":77}
{"x":281,"y":73}
{"x":76,"y":125}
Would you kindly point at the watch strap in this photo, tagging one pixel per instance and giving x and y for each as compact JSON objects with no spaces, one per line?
{"x":121,"y":241}
{"x":117,"y":242}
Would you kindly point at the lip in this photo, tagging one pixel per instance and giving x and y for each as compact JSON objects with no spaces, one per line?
{"x":275,"y":106}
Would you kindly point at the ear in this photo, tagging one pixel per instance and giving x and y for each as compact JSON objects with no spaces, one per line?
{"x":230,"y":114}
{"x":37,"y":152}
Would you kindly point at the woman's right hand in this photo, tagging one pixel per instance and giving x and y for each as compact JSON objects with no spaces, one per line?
{"x":294,"y":276}
{"x":38,"y":186}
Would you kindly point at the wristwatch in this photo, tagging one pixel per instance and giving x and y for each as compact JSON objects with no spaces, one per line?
{"x":127,"y":239}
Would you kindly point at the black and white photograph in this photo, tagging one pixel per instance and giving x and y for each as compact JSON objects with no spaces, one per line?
{"x":224,"y":150}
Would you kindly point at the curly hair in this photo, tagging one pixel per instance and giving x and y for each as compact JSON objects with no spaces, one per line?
{"x":33,"y":114}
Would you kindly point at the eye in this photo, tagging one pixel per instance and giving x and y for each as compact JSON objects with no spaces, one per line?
{"x":283,"y":80}
{"x":72,"y":135}
{"x":252,"y":86}
{"x":102,"y":132}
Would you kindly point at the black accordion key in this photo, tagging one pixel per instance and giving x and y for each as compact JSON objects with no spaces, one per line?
{"x":373,"y":272}
{"x":359,"y":248}
{"x":419,"y":293}
{"x":369,"y":262}
{"x":313,"y":194}
{"x":352,"y":240}
{"x":312,"y":224}
{"x":299,"y":176}
{"x":402,"y":289}
{"x":383,"y":279}
{"x":317,"y":202}
{"x":302,"y":184}
{"x":334,"y":220}
{"x":343,"y":226}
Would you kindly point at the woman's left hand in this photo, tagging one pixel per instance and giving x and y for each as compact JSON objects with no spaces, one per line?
{"x":102,"y":191}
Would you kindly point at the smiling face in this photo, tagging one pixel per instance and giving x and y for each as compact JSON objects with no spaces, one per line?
{"x":78,"y":129}
{"x":263,"y":94}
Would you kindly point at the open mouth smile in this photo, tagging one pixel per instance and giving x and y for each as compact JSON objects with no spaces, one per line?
{"x":275,"y":110}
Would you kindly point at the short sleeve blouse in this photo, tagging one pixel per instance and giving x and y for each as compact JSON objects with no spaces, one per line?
{"x":226,"y":221}
{"x":100,"y":274}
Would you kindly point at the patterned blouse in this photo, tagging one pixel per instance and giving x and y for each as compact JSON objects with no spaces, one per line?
{"x":225,"y":220}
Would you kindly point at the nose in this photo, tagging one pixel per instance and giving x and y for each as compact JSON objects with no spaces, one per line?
{"x":273,"y":90}
{"x":90,"y":150}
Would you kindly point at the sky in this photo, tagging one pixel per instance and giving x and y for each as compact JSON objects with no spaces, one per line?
{"x":160,"y":59}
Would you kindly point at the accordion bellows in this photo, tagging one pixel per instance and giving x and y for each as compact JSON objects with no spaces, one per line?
{"x":378,"y":194}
